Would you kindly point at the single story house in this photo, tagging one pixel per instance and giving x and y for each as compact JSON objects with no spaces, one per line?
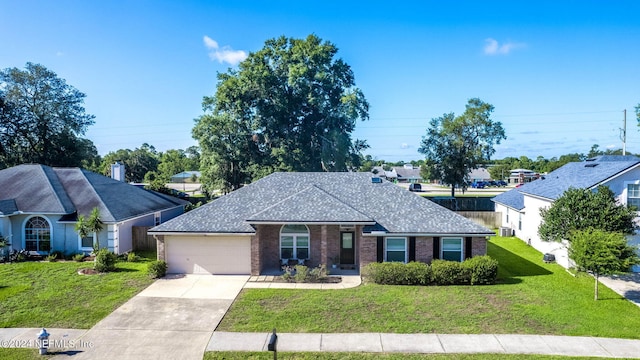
{"x":348,"y":218}
{"x":520,"y":207}
{"x":39,"y":207}
{"x":479,"y":174}
{"x":186,"y":176}
{"x":408,"y":174}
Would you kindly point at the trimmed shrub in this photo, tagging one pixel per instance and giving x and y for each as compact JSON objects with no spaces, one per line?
{"x":484,"y":270}
{"x":132,"y":257}
{"x":105,"y":261}
{"x":302,"y":273}
{"x":417,"y":273}
{"x":396,"y":273}
{"x":445,"y":272}
{"x":51,"y":257}
{"x":157,"y":269}
{"x":78,"y":257}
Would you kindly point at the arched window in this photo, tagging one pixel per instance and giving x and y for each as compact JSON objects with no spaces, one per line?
{"x":37,"y":234}
{"x":294,"y":242}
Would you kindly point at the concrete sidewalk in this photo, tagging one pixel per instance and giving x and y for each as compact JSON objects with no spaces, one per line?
{"x":430,"y":344}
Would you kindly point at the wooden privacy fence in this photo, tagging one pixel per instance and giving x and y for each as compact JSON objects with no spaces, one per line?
{"x":140,"y":240}
{"x":489,"y":219}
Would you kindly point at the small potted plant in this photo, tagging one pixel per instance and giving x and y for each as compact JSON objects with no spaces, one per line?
{"x":335,"y":261}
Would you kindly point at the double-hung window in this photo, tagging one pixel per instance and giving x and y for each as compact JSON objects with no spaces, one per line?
{"x":396,"y":249}
{"x":294,"y":242}
{"x":451,"y":249}
{"x":633,"y":195}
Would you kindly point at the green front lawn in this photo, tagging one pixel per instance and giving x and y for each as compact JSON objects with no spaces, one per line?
{"x":42,"y":294}
{"x":531,"y":298}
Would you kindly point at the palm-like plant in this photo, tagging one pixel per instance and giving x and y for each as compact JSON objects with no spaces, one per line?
{"x":91,"y":224}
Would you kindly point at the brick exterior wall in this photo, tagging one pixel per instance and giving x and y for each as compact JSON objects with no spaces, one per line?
{"x":367,"y":250}
{"x":265,"y":246}
{"x":479,"y":246}
{"x":325,"y":245}
{"x":424,"y":249}
{"x":160,"y":250}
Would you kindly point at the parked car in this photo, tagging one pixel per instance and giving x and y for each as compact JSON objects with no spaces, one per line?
{"x":501,"y":183}
{"x":415,"y":187}
{"x":478,"y":184}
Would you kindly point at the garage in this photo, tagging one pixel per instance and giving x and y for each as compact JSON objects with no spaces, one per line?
{"x":208,"y":254}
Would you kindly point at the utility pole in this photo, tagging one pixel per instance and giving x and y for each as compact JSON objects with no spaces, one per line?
{"x":623,"y":133}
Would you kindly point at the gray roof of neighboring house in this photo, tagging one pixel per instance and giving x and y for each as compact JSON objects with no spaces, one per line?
{"x":404,"y":173}
{"x":68,"y":191}
{"x":187,"y":174}
{"x":479,"y":173}
{"x":322,"y":198}
{"x":582,"y":175}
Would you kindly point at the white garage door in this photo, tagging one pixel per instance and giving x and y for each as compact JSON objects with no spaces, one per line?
{"x":208,"y":255}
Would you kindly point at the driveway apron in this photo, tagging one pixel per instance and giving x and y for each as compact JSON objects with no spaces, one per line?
{"x":173,"y":318}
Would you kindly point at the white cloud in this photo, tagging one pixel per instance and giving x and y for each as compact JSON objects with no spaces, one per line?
{"x":405,"y":146}
{"x":492,"y":47}
{"x":225,"y":54}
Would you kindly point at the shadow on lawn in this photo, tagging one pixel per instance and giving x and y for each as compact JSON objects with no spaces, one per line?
{"x":512,"y":265}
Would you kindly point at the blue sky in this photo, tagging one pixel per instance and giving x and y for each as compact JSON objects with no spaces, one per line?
{"x":559,"y":73}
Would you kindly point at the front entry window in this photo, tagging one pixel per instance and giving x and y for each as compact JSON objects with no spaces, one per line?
{"x":37,"y":235}
{"x":294,"y":242}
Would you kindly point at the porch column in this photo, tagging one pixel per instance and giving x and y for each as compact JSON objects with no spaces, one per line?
{"x":160,"y":253}
{"x":323,"y":245}
{"x":256,"y":261}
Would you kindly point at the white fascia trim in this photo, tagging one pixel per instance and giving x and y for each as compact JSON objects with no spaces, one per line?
{"x":614,"y":176}
{"x":199,"y":234}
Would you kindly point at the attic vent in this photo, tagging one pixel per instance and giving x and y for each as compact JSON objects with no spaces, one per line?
{"x":591,"y":165}
{"x":376,"y":180}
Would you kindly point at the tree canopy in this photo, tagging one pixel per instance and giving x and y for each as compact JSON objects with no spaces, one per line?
{"x":455,"y":145}
{"x":42,"y":119}
{"x":581,"y":209}
{"x":601,"y":253}
{"x":290,"y":106}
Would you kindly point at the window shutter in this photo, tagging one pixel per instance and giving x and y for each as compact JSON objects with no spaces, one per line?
{"x":412,"y":248}
{"x":436,"y":247}
{"x":380,"y":249}
{"x":468,"y":244}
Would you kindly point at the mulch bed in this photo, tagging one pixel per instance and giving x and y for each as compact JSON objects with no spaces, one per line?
{"x":88,"y":271}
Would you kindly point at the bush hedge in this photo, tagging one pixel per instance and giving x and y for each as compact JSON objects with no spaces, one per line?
{"x":105,"y":261}
{"x":480,"y":270}
{"x":157,"y":269}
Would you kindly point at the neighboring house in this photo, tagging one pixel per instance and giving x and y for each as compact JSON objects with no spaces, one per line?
{"x":408,"y":174}
{"x":520,"y":207}
{"x":185,"y":176}
{"x":380,"y":172}
{"x":479,"y":174}
{"x":39,"y":206}
{"x":316,"y":218}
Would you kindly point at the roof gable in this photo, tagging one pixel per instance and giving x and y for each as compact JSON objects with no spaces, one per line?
{"x":325,"y":209}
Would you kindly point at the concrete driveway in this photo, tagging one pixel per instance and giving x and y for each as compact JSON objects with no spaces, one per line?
{"x":173,"y":318}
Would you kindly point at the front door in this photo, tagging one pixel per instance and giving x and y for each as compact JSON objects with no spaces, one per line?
{"x":347,"y":248}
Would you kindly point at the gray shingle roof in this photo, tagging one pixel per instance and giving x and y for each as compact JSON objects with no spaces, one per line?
{"x":582,"y":175}
{"x":46,"y":190}
{"x":314,"y":197}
